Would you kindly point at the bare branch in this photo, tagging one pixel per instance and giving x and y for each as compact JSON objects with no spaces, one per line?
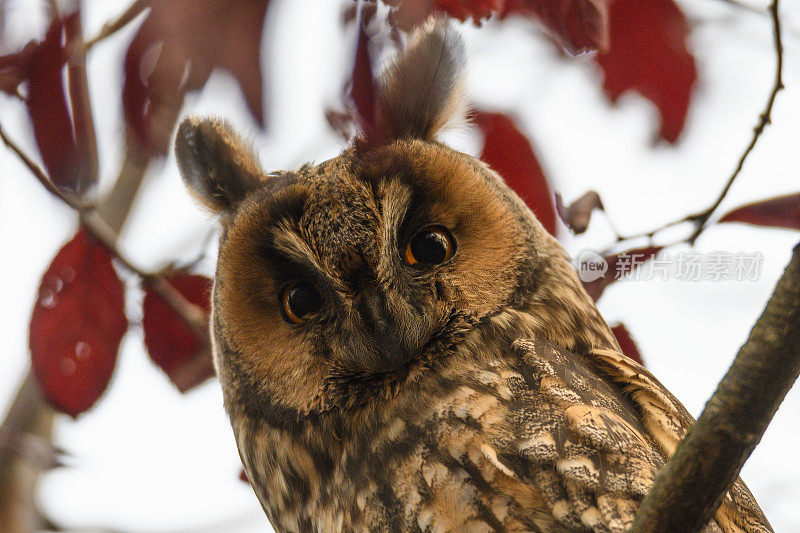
{"x":691,"y":486}
{"x":708,"y":461}
{"x":116,"y":205}
{"x":194,"y":316}
{"x":28,"y":414}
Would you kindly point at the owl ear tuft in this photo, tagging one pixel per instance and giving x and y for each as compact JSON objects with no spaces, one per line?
{"x":421,"y":92}
{"x":216,"y":164}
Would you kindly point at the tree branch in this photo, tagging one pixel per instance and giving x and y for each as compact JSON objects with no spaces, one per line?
{"x":691,"y":486}
{"x":106,"y":223}
{"x":29,"y":415}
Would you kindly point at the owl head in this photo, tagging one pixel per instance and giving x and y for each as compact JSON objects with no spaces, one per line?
{"x":336,"y":282}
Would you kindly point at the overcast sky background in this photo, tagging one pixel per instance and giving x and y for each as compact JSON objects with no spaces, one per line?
{"x":147,"y":459}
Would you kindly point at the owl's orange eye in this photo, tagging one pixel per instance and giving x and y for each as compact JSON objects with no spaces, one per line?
{"x":430,"y":246}
{"x":300,"y":299}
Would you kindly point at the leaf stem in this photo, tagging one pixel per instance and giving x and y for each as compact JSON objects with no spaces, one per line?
{"x":81,"y":107}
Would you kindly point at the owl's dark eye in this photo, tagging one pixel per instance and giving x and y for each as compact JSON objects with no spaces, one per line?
{"x":300,"y":299}
{"x":430,"y":246}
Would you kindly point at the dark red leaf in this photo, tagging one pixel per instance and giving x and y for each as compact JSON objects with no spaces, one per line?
{"x":626,"y":343}
{"x":363,"y":91}
{"x":477,"y":10}
{"x":578,"y":214}
{"x":171,"y":343}
{"x":175,"y":50}
{"x":48,"y":108}
{"x":779,"y":212}
{"x":608,"y":269}
{"x":409,"y":14}
{"x":14,"y":69}
{"x":578,"y":25}
{"x":243,"y":476}
{"x":648,"y":54}
{"x":509,"y":152}
{"x":77,"y":325}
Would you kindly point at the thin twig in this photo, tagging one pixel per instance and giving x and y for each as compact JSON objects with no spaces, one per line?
{"x":192,"y":314}
{"x":745,"y":7}
{"x":700,"y":219}
{"x":210,"y":235}
{"x":37,"y":171}
{"x":123,"y":20}
{"x":764,"y":119}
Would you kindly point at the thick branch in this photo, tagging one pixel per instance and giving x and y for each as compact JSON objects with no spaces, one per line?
{"x":29,"y":414}
{"x":691,"y":486}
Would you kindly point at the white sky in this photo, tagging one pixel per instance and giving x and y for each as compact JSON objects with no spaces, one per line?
{"x":148,"y":459}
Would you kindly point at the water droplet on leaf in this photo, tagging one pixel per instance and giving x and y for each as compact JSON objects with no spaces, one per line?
{"x":67,"y":366}
{"x":68,"y":274}
{"x":83,"y":350}
{"x":47,"y":298}
{"x":53,"y":283}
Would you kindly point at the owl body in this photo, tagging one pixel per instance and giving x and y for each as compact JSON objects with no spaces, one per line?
{"x":468,"y":444}
{"x":402,"y":346}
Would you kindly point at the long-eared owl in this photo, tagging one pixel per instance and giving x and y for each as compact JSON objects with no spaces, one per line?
{"x":402,"y":346}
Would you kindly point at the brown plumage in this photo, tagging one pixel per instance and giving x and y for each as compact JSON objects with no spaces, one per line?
{"x":402,"y":346}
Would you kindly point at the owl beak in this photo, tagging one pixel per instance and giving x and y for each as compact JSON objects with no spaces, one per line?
{"x":383,"y":329}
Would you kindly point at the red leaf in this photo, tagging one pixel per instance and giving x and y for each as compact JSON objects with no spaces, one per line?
{"x":509,"y":152}
{"x":409,"y":14}
{"x":648,"y":54}
{"x":175,"y":50}
{"x":578,"y":214}
{"x":363,"y":91}
{"x":77,"y":325}
{"x":50,"y":116}
{"x":243,"y":476}
{"x":462,"y":10}
{"x":611,"y":268}
{"x":14,"y":69}
{"x":171,"y":343}
{"x":626,"y":343}
{"x":779,"y":212}
{"x":578,"y":25}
